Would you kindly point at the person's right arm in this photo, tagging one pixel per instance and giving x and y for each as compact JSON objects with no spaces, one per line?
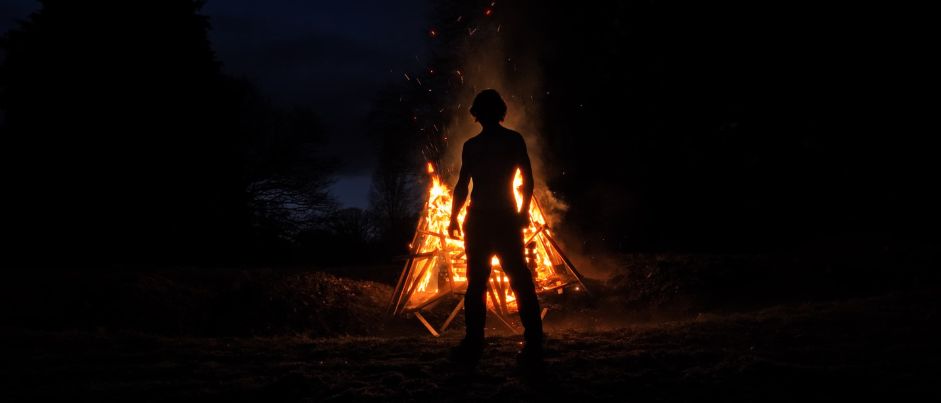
{"x":460,"y":194}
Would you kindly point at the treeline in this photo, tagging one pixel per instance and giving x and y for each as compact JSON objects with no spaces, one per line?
{"x":125,"y":143}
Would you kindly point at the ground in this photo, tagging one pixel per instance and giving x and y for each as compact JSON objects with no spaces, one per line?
{"x":860,"y":349}
{"x":666,"y":327}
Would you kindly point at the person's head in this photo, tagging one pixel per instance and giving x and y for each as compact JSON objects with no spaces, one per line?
{"x":488,"y":107}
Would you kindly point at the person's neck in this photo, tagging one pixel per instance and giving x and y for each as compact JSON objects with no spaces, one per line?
{"x":490,"y":127}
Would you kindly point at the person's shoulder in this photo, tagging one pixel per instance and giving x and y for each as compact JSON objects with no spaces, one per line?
{"x":471,"y":143}
{"x":515,"y":135}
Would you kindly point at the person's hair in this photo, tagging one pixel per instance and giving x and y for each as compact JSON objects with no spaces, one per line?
{"x":488,"y":107}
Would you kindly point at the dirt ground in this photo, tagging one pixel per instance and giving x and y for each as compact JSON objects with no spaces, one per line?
{"x":883,"y":348}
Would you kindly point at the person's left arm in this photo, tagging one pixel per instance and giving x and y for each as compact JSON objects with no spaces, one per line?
{"x":528,"y":185}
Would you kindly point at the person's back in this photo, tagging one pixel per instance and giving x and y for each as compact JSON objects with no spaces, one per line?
{"x":492,"y":158}
{"x":494,"y":225}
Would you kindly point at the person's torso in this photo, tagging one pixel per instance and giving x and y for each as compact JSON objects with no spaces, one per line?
{"x":493,"y":159}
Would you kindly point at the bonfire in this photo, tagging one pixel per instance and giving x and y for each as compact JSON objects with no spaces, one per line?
{"x":437,"y":266}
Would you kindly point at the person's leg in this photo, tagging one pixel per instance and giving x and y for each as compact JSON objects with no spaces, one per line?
{"x":510,"y":252}
{"x":478,"y":275}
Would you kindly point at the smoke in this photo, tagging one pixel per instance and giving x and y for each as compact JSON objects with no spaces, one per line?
{"x":516,"y":75}
{"x":510,"y":62}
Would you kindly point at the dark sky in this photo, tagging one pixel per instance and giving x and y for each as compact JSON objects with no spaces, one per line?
{"x":332,"y":55}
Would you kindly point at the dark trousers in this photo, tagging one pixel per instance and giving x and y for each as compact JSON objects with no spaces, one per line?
{"x":487,"y":234}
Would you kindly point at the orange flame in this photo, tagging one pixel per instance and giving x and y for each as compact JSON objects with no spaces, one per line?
{"x":447,"y":268}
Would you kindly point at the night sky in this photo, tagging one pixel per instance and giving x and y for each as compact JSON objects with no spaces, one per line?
{"x":332,"y":55}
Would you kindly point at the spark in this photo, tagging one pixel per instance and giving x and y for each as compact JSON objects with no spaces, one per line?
{"x":488,"y":11}
{"x":433,"y":32}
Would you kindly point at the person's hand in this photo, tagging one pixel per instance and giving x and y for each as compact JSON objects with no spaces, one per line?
{"x":454,"y":227}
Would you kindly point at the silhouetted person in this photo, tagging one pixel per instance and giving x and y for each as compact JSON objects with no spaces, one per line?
{"x":493,"y":226}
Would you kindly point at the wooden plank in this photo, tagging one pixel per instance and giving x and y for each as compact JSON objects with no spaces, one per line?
{"x":541,"y":228}
{"x":430,"y":301}
{"x":401,"y":293}
{"x":445,"y":256}
{"x":453,"y":315}
{"x":539,"y":207}
{"x":414,"y":246}
{"x":399,"y":285}
{"x":493,"y":298}
{"x":443,"y":237}
{"x":422,"y":270}
{"x":556,"y":287}
{"x":449,"y":266}
{"x":553,"y":255}
{"x":439,"y":235}
{"x":427,"y":325}
{"x":505,"y":322}
{"x":501,"y":289}
{"x":568,"y":263}
{"x":414,"y":285}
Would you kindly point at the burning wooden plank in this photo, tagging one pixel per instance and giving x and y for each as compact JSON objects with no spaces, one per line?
{"x":437,"y":265}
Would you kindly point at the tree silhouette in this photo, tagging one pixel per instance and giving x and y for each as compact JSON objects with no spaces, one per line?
{"x":396,"y":190}
{"x":119,"y":134}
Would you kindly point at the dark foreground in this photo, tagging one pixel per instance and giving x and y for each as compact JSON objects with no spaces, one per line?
{"x":862,"y":349}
